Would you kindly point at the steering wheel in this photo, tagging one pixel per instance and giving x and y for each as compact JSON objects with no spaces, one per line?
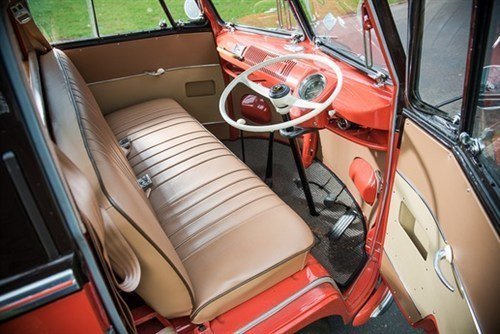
{"x":280,"y":95}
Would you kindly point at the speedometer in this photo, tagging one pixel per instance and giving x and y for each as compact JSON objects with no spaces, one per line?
{"x":312,"y":87}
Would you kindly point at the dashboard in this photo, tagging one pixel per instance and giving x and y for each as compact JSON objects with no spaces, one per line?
{"x":362,"y":109}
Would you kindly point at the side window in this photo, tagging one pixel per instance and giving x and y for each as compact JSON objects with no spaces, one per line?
{"x":62,"y":21}
{"x":262,"y":14}
{"x":444,"y":53}
{"x":121,"y":17}
{"x":487,"y":114}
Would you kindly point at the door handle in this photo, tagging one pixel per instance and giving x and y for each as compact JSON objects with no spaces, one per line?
{"x":443,"y":253}
{"x":156,"y":73}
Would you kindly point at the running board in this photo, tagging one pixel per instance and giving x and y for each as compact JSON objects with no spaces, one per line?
{"x":342,"y":225}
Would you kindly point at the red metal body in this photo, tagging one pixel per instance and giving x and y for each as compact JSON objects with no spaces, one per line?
{"x":309,"y":148}
{"x":364,"y":178}
{"x":79,"y":312}
{"x":376,"y":298}
{"x":255,"y":108}
{"x":428,"y":324}
{"x":360,"y":101}
{"x":320,"y":302}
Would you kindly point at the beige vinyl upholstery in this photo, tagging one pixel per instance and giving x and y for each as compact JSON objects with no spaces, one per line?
{"x":211,"y":234}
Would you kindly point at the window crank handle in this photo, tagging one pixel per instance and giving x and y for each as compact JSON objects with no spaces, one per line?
{"x":443,"y":253}
{"x":156,"y":73}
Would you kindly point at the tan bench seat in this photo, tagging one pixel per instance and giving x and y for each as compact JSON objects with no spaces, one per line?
{"x":211,"y":234}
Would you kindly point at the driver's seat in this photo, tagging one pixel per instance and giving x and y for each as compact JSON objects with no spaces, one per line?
{"x":208,"y":233}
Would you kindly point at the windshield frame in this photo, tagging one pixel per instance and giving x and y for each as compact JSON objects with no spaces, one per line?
{"x":373,"y":72}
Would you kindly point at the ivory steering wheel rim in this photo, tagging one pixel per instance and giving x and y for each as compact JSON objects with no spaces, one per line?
{"x":316,"y":107}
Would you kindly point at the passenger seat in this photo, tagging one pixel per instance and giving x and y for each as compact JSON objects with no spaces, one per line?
{"x":208,"y":233}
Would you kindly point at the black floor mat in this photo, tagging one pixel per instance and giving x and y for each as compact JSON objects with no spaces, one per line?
{"x":342,"y":258}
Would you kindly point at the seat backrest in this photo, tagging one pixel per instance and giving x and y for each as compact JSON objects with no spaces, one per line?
{"x":81,"y":132}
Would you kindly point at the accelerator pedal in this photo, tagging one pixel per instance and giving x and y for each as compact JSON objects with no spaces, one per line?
{"x":342,"y":225}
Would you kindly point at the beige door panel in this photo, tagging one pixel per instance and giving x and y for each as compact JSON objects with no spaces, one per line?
{"x":122,"y":59}
{"x":433,"y":204}
{"x":196,"y":88}
{"x":413,"y":238}
{"x":193,"y":77}
{"x":399,"y":291}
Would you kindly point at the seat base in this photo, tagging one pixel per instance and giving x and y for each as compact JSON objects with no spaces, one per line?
{"x":235,"y":237}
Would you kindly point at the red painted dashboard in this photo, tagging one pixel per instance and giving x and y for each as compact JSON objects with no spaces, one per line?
{"x":360,"y":101}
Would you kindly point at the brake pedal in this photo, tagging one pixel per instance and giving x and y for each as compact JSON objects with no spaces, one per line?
{"x":342,"y":225}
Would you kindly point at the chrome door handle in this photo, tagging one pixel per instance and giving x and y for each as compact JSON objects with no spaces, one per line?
{"x":156,"y":73}
{"x":443,"y":253}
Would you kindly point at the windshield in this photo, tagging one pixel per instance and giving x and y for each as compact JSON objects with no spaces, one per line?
{"x":338,"y":24}
{"x":263,"y":14}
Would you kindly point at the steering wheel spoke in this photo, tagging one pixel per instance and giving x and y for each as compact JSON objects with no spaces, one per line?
{"x":306,"y":104}
{"x":255,"y":86}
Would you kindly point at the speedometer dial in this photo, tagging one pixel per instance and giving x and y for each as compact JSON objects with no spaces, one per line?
{"x":312,"y":87}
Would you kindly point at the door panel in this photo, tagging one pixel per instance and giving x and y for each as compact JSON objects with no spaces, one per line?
{"x":122,"y":59}
{"x":116,"y":74}
{"x":412,"y":240}
{"x":432,"y":205}
{"x":196,"y":88}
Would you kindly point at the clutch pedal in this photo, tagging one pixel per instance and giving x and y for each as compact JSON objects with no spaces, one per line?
{"x":342,"y":225}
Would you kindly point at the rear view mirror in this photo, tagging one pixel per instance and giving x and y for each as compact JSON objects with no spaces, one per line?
{"x":192,"y":10}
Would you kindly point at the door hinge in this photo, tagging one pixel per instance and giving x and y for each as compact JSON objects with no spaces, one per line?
{"x":379,"y":78}
{"x":474,"y":145}
{"x":230,"y":26}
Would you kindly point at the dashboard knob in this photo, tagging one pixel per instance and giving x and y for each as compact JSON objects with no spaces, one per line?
{"x":343,"y":124}
{"x":331,"y":113}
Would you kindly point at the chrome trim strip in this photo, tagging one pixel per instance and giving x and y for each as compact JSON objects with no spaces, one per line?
{"x":383,"y":306}
{"x":286,"y":302}
{"x":214,"y":123}
{"x":434,"y":217}
{"x":172,"y":69}
{"x":441,"y":255}
{"x":25,"y":298}
{"x":461,"y":289}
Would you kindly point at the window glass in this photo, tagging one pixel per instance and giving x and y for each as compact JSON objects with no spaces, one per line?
{"x":67,"y":20}
{"x":487,"y":117}
{"x":176,"y":8}
{"x":444,"y":53}
{"x":20,"y":248}
{"x":399,"y":11}
{"x":339,"y":24}
{"x":118,"y":17}
{"x":63,"y":20}
{"x":264,"y":14}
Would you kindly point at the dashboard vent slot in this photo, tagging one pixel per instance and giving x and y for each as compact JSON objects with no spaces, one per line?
{"x":281,"y":71}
